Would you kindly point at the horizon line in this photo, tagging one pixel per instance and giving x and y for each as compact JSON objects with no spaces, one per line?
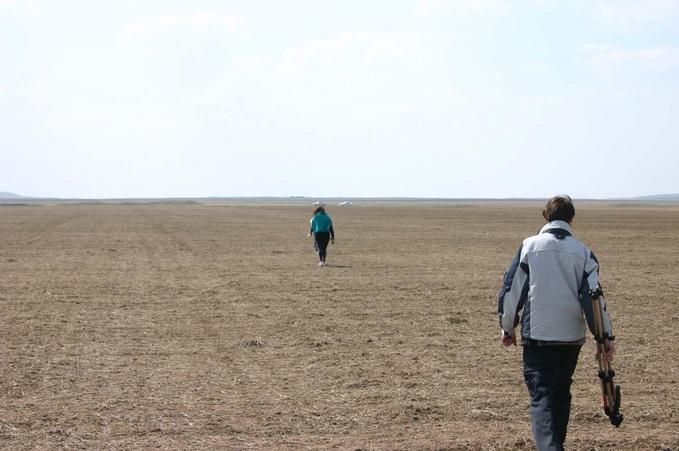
{"x":20,"y":198}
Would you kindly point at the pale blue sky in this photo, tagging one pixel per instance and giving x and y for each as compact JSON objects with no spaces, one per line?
{"x":421,"y":98}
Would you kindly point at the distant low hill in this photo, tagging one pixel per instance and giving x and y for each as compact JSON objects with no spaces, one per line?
{"x":9,"y":197}
{"x":660,"y":197}
{"x":4,"y":195}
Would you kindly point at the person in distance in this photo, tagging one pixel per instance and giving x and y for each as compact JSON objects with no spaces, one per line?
{"x":322,"y":231}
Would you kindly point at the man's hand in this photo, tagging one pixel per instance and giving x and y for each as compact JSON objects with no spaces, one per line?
{"x":507,"y":340}
{"x":608,"y":357}
{"x":308,"y":234}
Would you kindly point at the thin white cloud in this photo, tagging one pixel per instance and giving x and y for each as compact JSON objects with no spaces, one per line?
{"x":431,"y":7}
{"x":18,"y":6}
{"x":626,"y":15}
{"x":369,"y":46}
{"x":149,"y":25}
{"x":535,"y":65}
{"x":610,"y":60}
{"x":630,"y":15}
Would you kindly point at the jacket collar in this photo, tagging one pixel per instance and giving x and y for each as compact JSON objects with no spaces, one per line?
{"x":557,"y":225}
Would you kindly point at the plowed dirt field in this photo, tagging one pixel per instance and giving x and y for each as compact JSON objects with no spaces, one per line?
{"x":211,"y":327}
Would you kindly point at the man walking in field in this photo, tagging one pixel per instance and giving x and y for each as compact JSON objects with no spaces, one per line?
{"x":550,"y":280}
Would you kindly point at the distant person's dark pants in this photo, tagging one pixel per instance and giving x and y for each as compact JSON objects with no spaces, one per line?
{"x":548,"y":371}
{"x":321,"y":240}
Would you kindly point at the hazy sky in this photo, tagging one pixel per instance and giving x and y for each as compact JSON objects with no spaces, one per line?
{"x":434,"y":98}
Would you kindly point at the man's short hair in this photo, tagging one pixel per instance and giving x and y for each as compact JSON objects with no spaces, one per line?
{"x":559,"y":208}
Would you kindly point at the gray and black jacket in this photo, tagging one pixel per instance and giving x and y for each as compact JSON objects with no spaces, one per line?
{"x":550,"y":280}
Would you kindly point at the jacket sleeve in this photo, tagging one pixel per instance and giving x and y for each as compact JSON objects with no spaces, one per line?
{"x":590,"y":281}
{"x":332,"y":232}
{"x":513,"y":293}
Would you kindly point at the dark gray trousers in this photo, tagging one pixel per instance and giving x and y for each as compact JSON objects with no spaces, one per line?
{"x":548,"y":372}
{"x":321,"y":240}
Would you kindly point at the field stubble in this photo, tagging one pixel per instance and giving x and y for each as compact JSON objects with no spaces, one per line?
{"x":198,"y":327}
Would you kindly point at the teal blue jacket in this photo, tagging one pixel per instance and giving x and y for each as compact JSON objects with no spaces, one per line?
{"x":322,"y":222}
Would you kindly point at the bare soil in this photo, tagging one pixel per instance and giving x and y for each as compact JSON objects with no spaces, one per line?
{"x":212,"y":327}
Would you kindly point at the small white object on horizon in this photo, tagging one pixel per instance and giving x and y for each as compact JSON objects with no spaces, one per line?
{"x":319,"y":204}
{"x":346,"y":203}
